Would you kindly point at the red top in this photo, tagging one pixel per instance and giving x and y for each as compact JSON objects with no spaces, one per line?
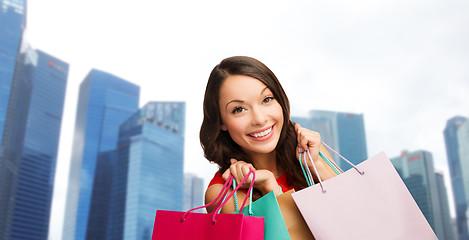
{"x":281,"y":181}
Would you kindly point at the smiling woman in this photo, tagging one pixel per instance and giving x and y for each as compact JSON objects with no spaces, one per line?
{"x":247,"y":127}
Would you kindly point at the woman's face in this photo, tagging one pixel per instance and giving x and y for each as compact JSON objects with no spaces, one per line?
{"x":250,"y":113}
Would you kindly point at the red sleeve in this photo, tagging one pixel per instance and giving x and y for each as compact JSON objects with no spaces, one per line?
{"x":217,"y":179}
{"x":281,"y":181}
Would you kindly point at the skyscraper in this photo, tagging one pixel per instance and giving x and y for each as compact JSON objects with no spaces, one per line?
{"x":30,"y":143}
{"x":344,"y":132}
{"x":39,"y":153}
{"x":417,"y":171}
{"x":105,"y":102}
{"x":449,"y":232}
{"x":463,"y":139}
{"x":148,"y":174}
{"x":13,"y":134}
{"x":193,"y":192}
{"x":455,"y":167}
{"x":12,"y":24}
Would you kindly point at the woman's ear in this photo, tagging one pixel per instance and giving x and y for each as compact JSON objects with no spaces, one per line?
{"x":223,"y":127}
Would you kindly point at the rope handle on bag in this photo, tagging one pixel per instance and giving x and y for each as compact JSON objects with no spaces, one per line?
{"x":234,"y":190}
{"x":309,"y":175}
{"x":223,"y":192}
{"x":353,"y":165}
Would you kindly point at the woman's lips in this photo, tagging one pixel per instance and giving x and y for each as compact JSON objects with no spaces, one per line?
{"x":263,"y":134}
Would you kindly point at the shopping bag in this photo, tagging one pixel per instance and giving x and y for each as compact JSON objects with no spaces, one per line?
{"x":296,"y":225}
{"x":209,"y":226}
{"x":268,"y":207}
{"x":369,"y":201}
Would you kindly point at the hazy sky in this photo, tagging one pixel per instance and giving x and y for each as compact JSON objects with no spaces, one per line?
{"x":403,"y":64}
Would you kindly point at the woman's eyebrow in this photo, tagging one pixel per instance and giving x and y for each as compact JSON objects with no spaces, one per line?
{"x":236,"y":101}
{"x":263,"y":90}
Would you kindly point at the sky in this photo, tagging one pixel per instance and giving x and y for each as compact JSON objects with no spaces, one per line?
{"x":403,"y":64}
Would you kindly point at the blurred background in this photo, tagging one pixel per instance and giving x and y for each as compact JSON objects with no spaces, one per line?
{"x":101,"y":101}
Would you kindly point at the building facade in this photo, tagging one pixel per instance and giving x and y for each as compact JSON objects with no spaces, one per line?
{"x":417,"y":171}
{"x":460,"y":190}
{"x":12,"y":23}
{"x":32,"y":93}
{"x":448,"y":226}
{"x":344,"y":132}
{"x":105,"y":102}
{"x":193,"y":192}
{"x":148,"y":174}
{"x":463,"y":139}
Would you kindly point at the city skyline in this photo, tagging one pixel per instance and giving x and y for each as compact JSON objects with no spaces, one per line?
{"x":418,"y":174}
{"x":380,"y":66}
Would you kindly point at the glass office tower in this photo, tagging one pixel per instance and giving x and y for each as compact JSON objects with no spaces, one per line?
{"x":463,"y":140}
{"x":30,"y":144}
{"x":105,"y":102}
{"x":427,"y":188}
{"x":148,"y":174}
{"x":193,"y":192}
{"x":449,"y":233}
{"x":455,"y":167}
{"x":13,"y":133}
{"x":12,"y":24}
{"x":39,"y":153}
{"x":344,"y":132}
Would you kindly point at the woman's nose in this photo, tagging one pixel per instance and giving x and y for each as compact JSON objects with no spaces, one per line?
{"x":258,"y":116}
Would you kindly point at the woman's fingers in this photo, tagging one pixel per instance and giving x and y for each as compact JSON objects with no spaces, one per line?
{"x":308,"y":139}
{"x":239,"y":170}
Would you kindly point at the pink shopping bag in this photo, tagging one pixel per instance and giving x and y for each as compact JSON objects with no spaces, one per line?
{"x":369,"y":201}
{"x":209,"y":226}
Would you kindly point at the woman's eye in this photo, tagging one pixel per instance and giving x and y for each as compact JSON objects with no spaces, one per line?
{"x":268,"y":99}
{"x":237,"y":110}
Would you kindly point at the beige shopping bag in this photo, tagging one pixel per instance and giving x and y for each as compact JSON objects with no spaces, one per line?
{"x":296,"y":225}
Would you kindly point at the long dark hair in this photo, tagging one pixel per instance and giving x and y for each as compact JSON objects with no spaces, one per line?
{"x":217,"y":144}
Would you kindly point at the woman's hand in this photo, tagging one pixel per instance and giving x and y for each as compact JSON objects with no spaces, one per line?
{"x":311,"y":140}
{"x":308,"y":139}
{"x":264,"y":181}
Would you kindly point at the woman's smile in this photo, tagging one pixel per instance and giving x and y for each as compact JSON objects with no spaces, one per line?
{"x":262,"y":135}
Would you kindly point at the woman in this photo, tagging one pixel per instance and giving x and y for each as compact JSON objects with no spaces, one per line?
{"x":247,"y":126}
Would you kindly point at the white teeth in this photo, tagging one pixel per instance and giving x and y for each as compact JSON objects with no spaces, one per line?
{"x":261,"y":134}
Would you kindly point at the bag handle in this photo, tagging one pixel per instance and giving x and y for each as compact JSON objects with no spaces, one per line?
{"x":223,"y":192}
{"x":316,"y":171}
{"x":355,"y":167}
{"x":253,"y":178}
{"x":236,"y":201}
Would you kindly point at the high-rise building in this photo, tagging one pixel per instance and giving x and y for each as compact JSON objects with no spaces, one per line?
{"x":463,"y":139}
{"x":13,"y":138}
{"x":417,"y":171}
{"x":12,"y":24}
{"x":193,"y":192}
{"x":105,"y":102}
{"x":344,"y":132}
{"x":460,"y":190}
{"x":449,"y":233}
{"x":148,"y":174}
{"x":29,"y":148}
